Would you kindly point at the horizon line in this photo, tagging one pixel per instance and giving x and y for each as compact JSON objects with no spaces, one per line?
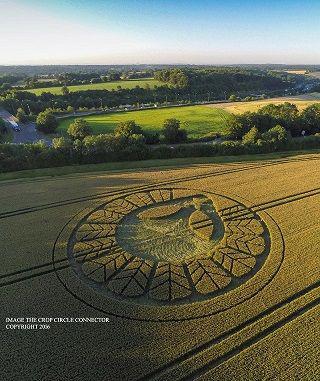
{"x":163,"y":64}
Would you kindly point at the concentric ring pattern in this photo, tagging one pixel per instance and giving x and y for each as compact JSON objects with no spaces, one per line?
{"x":168,"y":246}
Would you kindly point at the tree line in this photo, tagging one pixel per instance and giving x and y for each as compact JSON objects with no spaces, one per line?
{"x":296,"y":123}
{"x":228,"y":79}
{"x":129,"y":142}
{"x":179,"y":86}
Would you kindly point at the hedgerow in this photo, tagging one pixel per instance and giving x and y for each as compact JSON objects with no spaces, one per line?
{"x":106,"y":148}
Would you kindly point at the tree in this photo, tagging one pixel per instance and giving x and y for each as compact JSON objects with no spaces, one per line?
{"x":62,"y":143}
{"x":21,"y":115}
{"x":95,"y":145}
{"x":276,"y":134}
{"x":235,"y":128}
{"x":70,"y":109}
{"x":128,"y":128}
{"x":65,"y":91}
{"x":233,"y":98}
{"x":310,"y":118}
{"x":79,"y":129}
{"x":46,"y":122}
{"x":255,"y":119}
{"x":285,"y":114}
{"x":172,"y":132}
{"x":175,"y":77}
{"x":252,"y":136}
{"x":136,"y":148}
{"x":114,"y":76}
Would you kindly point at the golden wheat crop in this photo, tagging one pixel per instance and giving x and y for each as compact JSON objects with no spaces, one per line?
{"x":202,"y":270}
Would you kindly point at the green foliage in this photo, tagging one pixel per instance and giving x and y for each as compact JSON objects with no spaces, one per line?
{"x":79,"y":129}
{"x":70,"y":109}
{"x":172,"y":132}
{"x":252,"y":136}
{"x":127,"y":128}
{"x":151,"y":138}
{"x":62,"y":143}
{"x":285,"y":114}
{"x":21,"y":115}
{"x":219,"y":81}
{"x":276,"y":134}
{"x":269,"y":116}
{"x":109,"y":148}
{"x":114,"y":77}
{"x":310,"y":119}
{"x":233,"y":98}
{"x":4,"y":136}
{"x":236,"y":128}
{"x":114,"y":147}
{"x":46,"y":122}
{"x":174,"y":77}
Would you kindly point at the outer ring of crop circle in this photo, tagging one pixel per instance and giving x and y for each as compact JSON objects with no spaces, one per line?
{"x":82,"y":292}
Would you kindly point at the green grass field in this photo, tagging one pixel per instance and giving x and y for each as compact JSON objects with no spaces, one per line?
{"x":130,"y":84}
{"x":197,"y":120}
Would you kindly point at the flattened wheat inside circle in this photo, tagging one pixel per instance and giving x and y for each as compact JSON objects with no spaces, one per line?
{"x":168,"y":246}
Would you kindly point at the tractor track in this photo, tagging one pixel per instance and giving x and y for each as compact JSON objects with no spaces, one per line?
{"x":98,"y":196}
{"x":166,"y":371}
{"x":47,"y":267}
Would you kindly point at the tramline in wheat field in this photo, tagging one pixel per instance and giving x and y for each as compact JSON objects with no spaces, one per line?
{"x":224,"y":258}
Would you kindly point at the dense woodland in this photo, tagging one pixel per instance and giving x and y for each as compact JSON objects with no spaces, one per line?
{"x":232,"y":79}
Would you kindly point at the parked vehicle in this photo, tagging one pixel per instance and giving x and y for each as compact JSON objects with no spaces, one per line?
{"x":14,"y":125}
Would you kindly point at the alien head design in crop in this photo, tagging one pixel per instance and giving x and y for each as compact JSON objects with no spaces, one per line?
{"x":168,"y":246}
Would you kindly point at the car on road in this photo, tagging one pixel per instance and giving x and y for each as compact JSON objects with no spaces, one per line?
{"x":14,"y":125}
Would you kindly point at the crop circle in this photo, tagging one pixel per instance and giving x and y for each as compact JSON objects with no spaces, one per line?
{"x":167,"y":248}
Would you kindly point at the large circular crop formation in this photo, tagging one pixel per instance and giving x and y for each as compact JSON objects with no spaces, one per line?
{"x":167,"y":253}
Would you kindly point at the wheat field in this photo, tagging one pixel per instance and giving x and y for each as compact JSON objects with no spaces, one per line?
{"x":202,"y":269}
{"x":301,"y":101}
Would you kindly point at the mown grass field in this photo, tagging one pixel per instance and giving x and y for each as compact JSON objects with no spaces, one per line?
{"x":129,"y":84}
{"x":266,"y":326}
{"x":197,"y":120}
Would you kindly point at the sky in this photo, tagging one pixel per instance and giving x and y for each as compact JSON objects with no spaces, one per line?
{"x":159,"y":31}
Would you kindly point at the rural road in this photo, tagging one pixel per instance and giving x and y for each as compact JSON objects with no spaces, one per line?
{"x":28,"y":133}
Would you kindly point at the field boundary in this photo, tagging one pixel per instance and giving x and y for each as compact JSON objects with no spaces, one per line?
{"x":46,"y":174}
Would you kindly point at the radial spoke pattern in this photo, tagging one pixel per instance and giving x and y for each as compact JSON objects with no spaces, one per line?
{"x":140,"y":279}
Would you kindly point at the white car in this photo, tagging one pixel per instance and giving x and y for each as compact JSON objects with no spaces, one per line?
{"x":14,"y":125}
